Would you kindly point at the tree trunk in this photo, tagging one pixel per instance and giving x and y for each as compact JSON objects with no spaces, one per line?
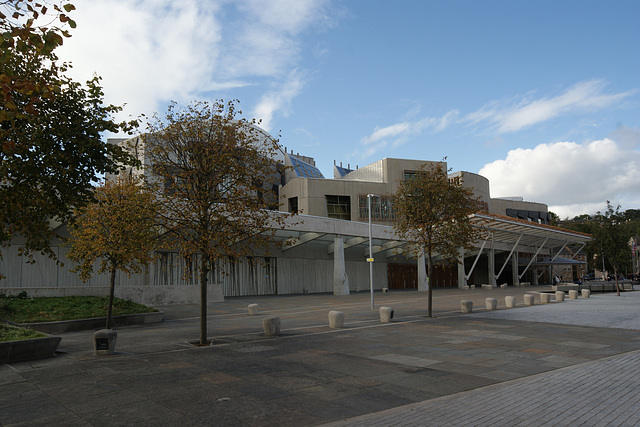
{"x":429,"y":284}
{"x":112,"y":287}
{"x":204,"y":273}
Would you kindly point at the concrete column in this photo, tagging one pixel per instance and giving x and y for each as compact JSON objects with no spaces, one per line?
{"x":534,"y":276}
{"x":462,"y":282}
{"x":492,"y":265}
{"x":423,"y":283}
{"x":340,"y":279}
{"x":514,"y":268}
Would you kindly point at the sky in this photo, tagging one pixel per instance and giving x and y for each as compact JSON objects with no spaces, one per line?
{"x":541,"y":97}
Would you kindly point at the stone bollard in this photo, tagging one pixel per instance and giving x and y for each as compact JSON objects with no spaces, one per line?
{"x":253,"y":309}
{"x":559,"y":296}
{"x":385,"y":290}
{"x":529,"y":299}
{"x":586,"y":293}
{"x":545,"y":298}
{"x":510,"y":302}
{"x":472,"y":286}
{"x":104,"y":342}
{"x":573,"y":294}
{"x":386,"y":314}
{"x":491,"y":303}
{"x":336,"y":319}
{"x":503,"y":286}
{"x":271,"y":326}
{"x":466,"y":287}
{"x":466,"y":306}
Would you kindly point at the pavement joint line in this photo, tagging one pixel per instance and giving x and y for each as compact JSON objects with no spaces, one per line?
{"x":366,"y":418}
{"x":153,"y":360}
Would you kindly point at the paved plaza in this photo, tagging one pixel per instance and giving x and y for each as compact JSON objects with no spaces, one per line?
{"x":566,"y":363}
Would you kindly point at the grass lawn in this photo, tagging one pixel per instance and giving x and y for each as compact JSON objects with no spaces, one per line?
{"x":33,"y":310}
{"x":14,"y":333}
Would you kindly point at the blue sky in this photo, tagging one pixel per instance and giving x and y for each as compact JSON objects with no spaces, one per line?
{"x":542,"y":97}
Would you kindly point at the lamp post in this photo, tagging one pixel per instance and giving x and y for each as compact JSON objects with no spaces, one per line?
{"x":370,"y":259}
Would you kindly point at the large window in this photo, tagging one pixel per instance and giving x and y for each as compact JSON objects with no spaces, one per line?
{"x":408,"y":175}
{"x":293,"y":205}
{"x":381,"y":208}
{"x":339,"y":207}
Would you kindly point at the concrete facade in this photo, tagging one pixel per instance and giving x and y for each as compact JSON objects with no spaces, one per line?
{"x":328,"y":243}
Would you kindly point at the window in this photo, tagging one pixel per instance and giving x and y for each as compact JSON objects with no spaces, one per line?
{"x":339,"y":207}
{"x":293,"y":205}
{"x":381,"y":208}
{"x":304,"y":169}
{"x":408,"y":175}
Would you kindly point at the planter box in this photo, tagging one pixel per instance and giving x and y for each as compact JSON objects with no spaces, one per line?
{"x":95,"y":323}
{"x":31,"y":349}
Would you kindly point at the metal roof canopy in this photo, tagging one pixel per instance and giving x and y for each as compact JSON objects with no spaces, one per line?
{"x":305,"y":229}
{"x":509,"y":230}
{"x":558,"y":261}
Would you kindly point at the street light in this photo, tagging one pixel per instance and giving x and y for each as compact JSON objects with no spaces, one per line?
{"x":370,"y":259}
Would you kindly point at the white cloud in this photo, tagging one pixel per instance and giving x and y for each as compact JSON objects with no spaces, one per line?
{"x":279,"y":99}
{"x":571,"y":178}
{"x":152,"y":51}
{"x":397,"y":134}
{"x":502,"y":117}
{"x":583,"y":97}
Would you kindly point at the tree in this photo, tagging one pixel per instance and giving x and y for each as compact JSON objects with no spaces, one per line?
{"x":23,"y":38}
{"x":216,"y":182}
{"x":51,"y":148}
{"x":435,"y":214}
{"x":611,"y":241}
{"x":118,"y":229}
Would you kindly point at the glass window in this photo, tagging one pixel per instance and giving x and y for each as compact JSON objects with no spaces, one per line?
{"x":339,"y":207}
{"x":381,"y":208}
{"x":293,"y":205}
{"x":409,"y":174}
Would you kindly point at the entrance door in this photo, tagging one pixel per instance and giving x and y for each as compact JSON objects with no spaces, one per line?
{"x":402,"y":276}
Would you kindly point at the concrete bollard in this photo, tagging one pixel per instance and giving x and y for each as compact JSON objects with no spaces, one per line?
{"x":472,"y":287}
{"x":586,"y":293}
{"x":545,"y":298}
{"x":559,"y":296}
{"x":466,"y":306}
{"x":104,"y":342}
{"x":253,"y":309}
{"x":466,"y":287}
{"x":573,"y":294}
{"x":503,"y":286}
{"x":529,"y":299}
{"x":271,"y":326}
{"x":336,"y":319}
{"x":386,"y":314}
{"x":510,"y":302}
{"x":491,"y":303}
{"x":385,"y":290}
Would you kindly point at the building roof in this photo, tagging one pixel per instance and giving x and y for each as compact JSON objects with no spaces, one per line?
{"x":509,"y":230}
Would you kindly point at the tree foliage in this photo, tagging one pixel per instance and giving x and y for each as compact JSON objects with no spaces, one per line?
{"x":216,"y":182}
{"x":118,"y":231}
{"x":435,"y":214}
{"x":611,"y":231}
{"x":51,"y":148}
{"x":611,"y":234}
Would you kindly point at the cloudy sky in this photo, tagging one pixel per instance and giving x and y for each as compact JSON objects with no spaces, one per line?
{"x":541,"y":97}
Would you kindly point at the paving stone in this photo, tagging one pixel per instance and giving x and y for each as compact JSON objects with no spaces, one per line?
{"x":551,"y":354}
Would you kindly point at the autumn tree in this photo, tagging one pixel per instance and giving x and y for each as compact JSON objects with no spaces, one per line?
{"x":216,"y":182}
{"x":611,"y":236}
{"x":51,"y":148}
{"x":434,"y":213}
{"x":118,"y":231}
